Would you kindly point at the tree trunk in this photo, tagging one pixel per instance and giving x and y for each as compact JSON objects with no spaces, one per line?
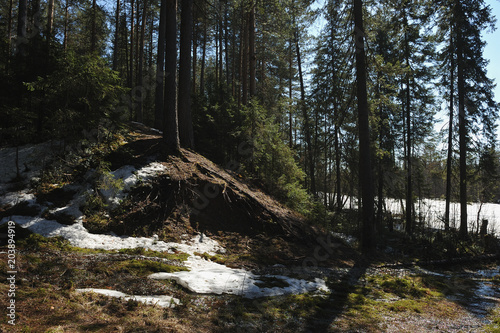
{"x":368,"y":239}
{"x":290,"y":94}
{"x":93,"y":33}
{"x":251,"y":50}
{"x":171,"y":132}
{"x":66,"y":24}
{"x":22,"y":22}
{"x":244,"y":62}
{"x":160,"y":68}
{"x":50,"y":22}
{"x":450,"y":136}
{"x":184,"y":106}
{"x":132,"y":48}
{"x":9,"y":33}
{"x":115,"y":40}
{"x":409,"y":181}
{"x":195,"y":52}
{"x":307,"y":128}
{"x":462,"y":126}
{"x":203,"y":58}
{"x":140,"y":79}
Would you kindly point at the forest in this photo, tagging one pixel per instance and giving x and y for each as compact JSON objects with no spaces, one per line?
{"x":255,"y":72}
{"x":296,"y":118}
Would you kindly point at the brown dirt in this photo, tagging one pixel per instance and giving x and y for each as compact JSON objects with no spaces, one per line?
{"x":196,"y":195}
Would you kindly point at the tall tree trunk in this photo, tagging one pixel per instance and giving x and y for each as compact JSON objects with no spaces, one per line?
{"x":195,"y":51}
{"x":115,"y":40}
{"x":251,"y":50}
{"x":462,"y":123}
{"x":160,"y":68}
{"x":203,"y":58}
{"x":368,"y":239}
{"x":50,"y":22}
{"x":226,"y":40}
{"x":290,"y":93}
{"x":450,"y":135}
{"x":22,"y":22}
{"x":307,"y":125}
{"x":409,"y":181}
{"x":244,"y":62}
{"x":9,"y":33}
{"x":171,"y":131}
{"x":184,"y":106}
{"x":132,"y":47}
{"x":93,"y":33}
{"x":338,"y":175}
{"x":66,"y":25}
{"x":140,"y":76}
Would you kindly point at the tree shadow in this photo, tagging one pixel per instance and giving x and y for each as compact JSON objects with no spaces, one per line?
{"x":337,"y":303}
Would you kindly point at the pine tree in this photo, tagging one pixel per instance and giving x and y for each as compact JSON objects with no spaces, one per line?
{"x":365,"y":166}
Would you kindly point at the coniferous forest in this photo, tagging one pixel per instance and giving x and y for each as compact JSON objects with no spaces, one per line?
{"x":287,"y":119}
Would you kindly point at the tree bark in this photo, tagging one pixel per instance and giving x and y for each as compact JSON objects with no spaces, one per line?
{"x":115,"y":40}
{"x":66,"y":24}
{"x":307,"y":125}
{"x":368,"y":239}
{"x":9,"y":33}
{"x":450,"y":136}
{"x":171,"y":132}
{"x":462,"y":123}
{"x":50,"y":22}
{"x":184,"y":102}
{"x":244,"y":62}
{"x":140,"y":79}
{"x":93,"y":33}
{"x":160,"y":68}
{"x":251,"y":50}
{"x":22,"y":22}
{"x":409,"y":181}
{"x":203,"y":58}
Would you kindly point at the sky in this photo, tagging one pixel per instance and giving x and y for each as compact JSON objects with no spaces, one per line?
{"x":492,"y":48}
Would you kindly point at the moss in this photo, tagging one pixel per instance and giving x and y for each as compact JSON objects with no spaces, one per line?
{"x":150,"y":253}
{"x":146,"y":267}
{"x":38,"y":242}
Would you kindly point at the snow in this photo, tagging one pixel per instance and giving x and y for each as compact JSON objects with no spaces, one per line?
{"x":432,"y":210}
{"x":78,"y":236}
{"x":131,"y":177}
{"x":160,"y":300}
{"x":32,"y":159}
{"x":206,"y":277}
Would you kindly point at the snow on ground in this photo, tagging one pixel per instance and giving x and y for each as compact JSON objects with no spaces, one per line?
{"x":131,"y":177}
{"x":160,"y":300}
{"x":79,"y":236}
{"x":206,"y":277}
{"x":432,"y":210}
{"x":31,"y":159}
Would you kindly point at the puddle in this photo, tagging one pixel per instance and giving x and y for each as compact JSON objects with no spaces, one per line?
{"x":486,"y":294}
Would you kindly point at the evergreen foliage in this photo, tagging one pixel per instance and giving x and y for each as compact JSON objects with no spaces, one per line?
{"x":253,"y":86}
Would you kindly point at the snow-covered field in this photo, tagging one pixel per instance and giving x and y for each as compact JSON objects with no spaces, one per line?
{"x":432,"y":212}
{"x":204,"y":276}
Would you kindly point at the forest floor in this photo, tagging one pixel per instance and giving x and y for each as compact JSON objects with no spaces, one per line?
{"x":254,"y":236}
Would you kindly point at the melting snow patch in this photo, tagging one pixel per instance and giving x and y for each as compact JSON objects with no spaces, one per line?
{"x":131,"y":177}
{"x":80,"y":237}
{"x":206,"y":277}
{"x":163,"y":300}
